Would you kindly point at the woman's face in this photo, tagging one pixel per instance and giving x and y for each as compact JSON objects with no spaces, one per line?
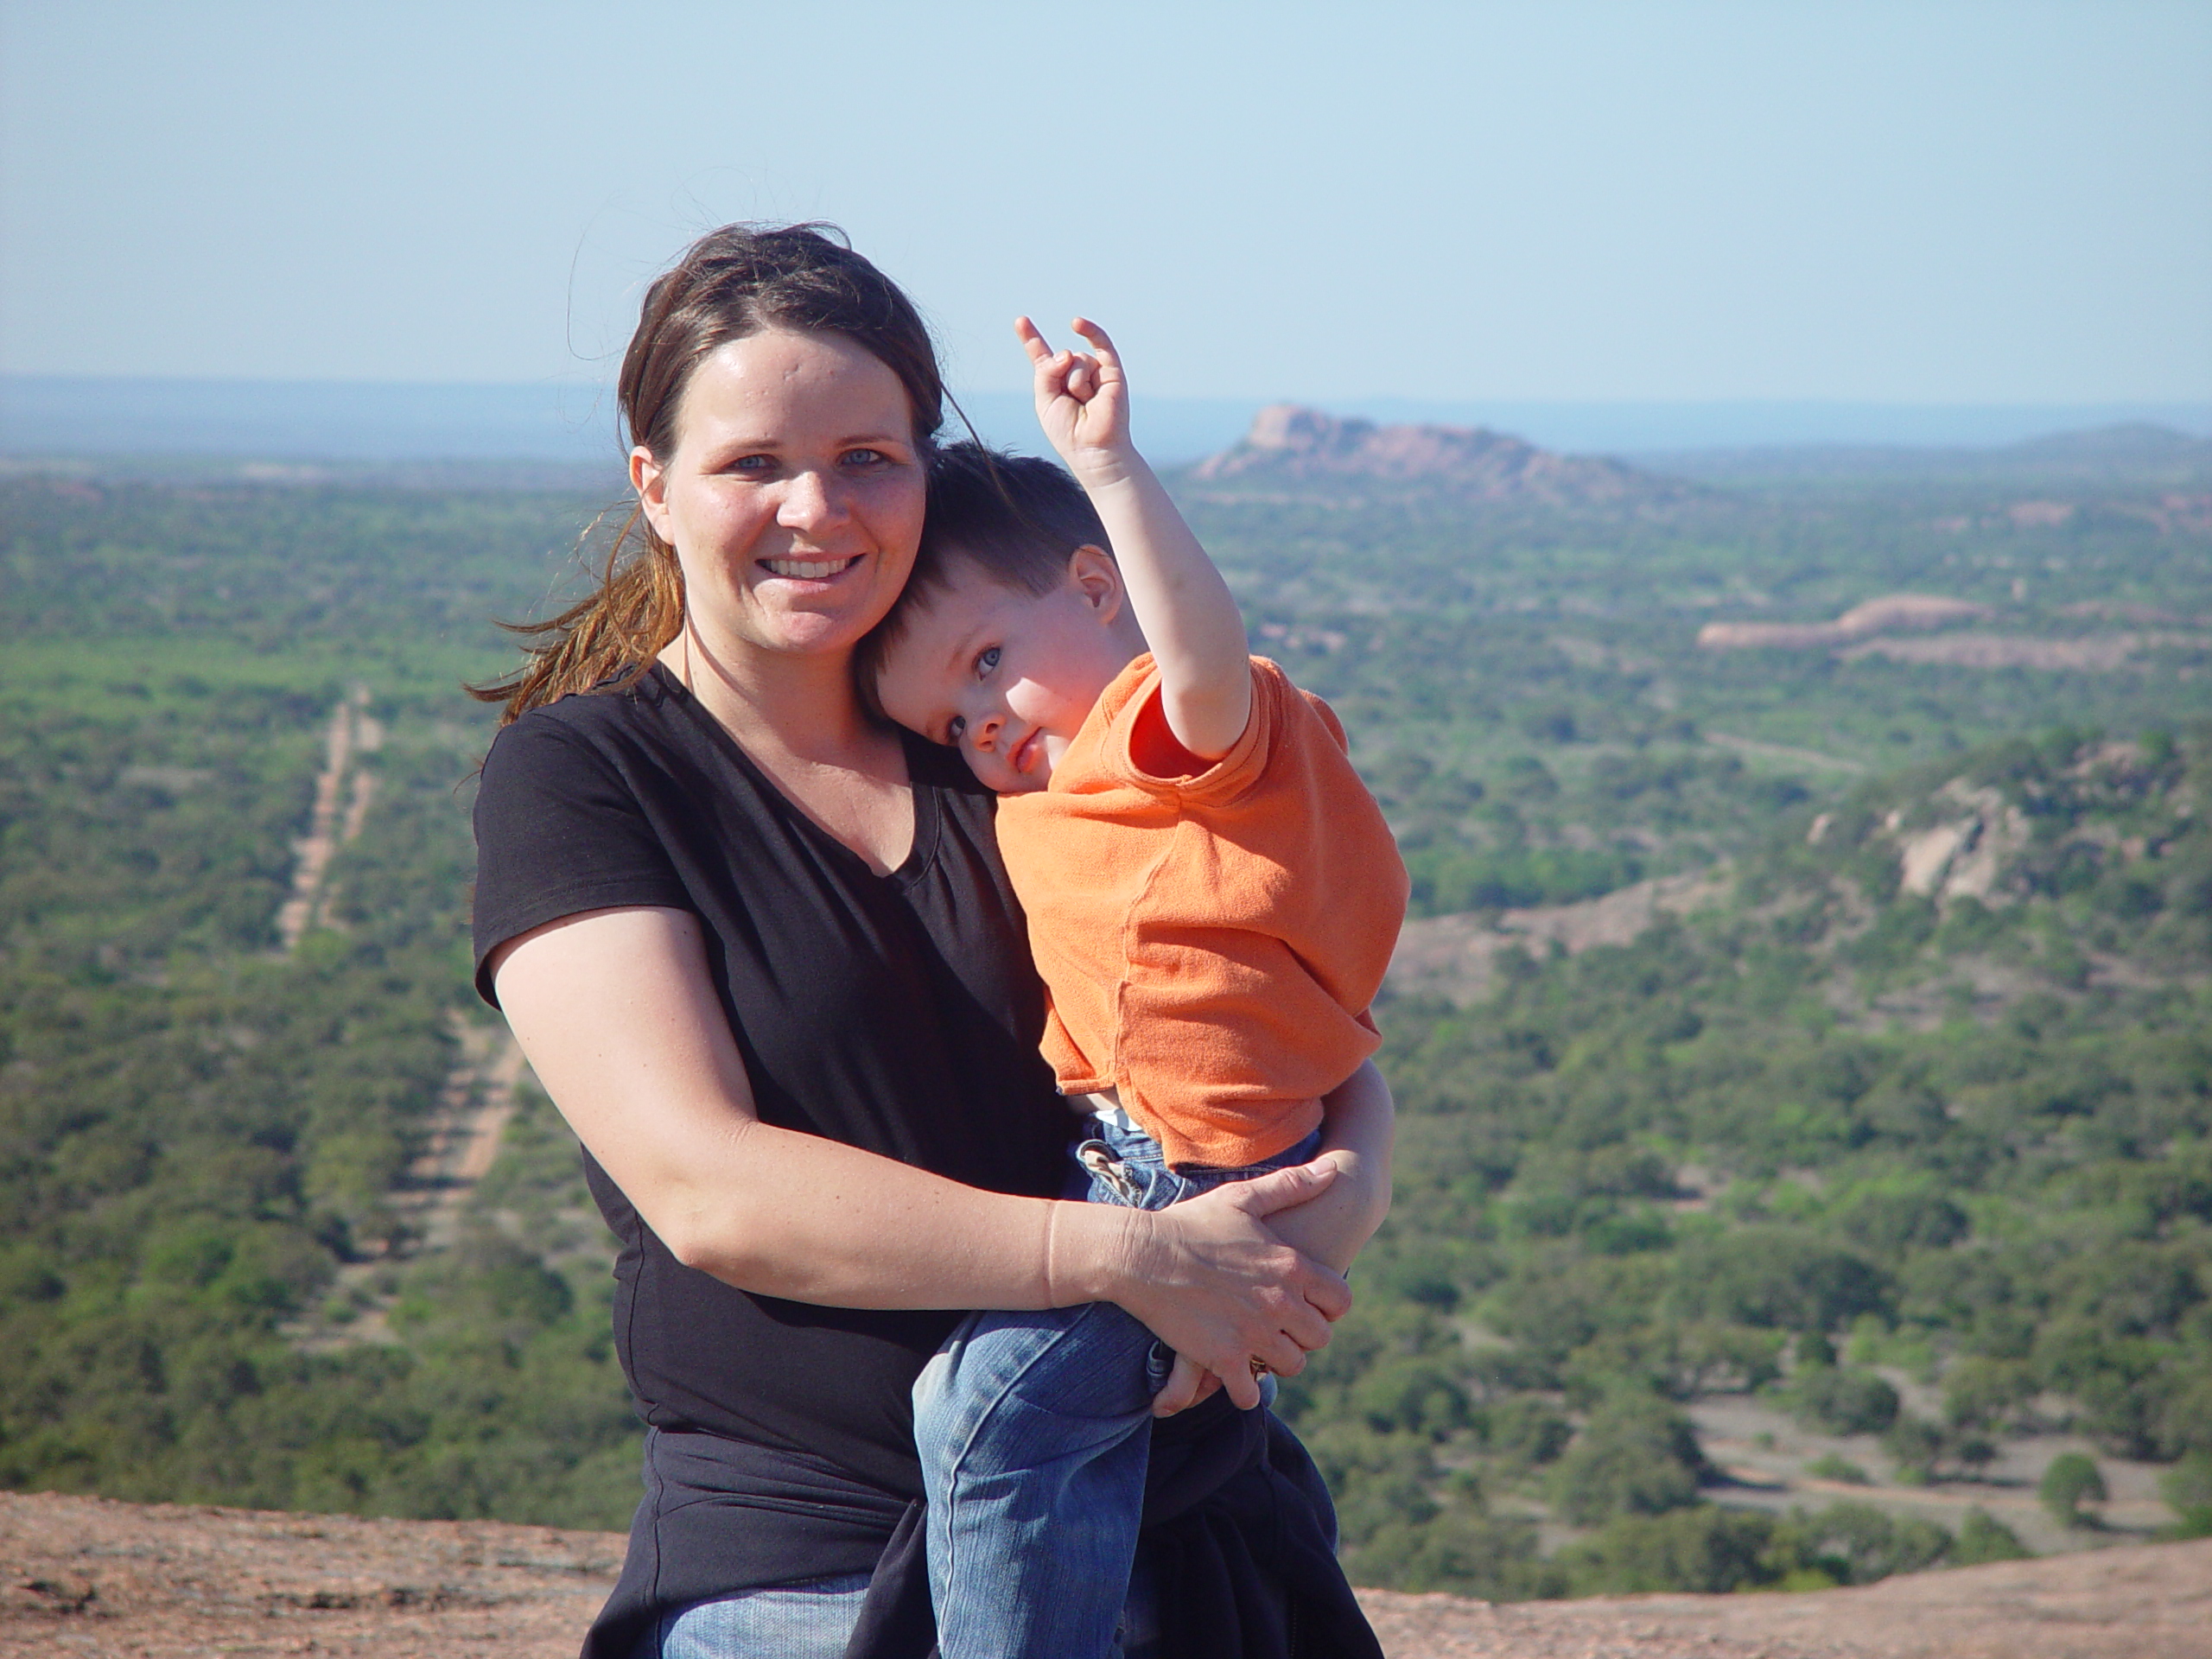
{"x":794,"y":498}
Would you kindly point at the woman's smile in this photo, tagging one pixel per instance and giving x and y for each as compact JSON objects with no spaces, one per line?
{"x":809,"y":570}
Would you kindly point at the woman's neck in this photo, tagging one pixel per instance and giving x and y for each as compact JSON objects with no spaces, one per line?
{"x":799,"y":704}
{"x":796,"y":716}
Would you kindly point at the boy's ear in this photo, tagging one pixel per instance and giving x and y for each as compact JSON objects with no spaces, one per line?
{"x":1098,"y":579}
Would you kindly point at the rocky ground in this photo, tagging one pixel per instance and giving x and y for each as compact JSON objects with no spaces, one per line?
{"x":95,"y":1579}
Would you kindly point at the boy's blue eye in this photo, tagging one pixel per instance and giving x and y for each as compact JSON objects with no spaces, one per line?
{"x":989,"y":660}
{"x":956,"y":728}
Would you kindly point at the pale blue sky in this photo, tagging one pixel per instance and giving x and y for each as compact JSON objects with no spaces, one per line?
{"x":1938,"y":202}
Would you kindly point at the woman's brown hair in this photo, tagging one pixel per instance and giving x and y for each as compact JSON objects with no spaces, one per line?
{"x":730,"y":283}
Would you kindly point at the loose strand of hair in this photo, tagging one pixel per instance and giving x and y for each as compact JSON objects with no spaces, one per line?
{"x":613,"y":634}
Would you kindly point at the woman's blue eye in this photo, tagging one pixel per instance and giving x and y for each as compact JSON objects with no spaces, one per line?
{"x":866,"y":457}
{"x":989,"y":660}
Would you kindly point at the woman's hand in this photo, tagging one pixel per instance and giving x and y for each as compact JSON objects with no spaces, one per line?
{"x":1334,"y":1226}
{"x":1083,"y":402}
{"x":1210,"y":1279}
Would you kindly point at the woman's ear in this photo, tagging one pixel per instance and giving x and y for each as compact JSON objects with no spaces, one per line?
{"x":649,"y":478}
{"x":1098,"y":579}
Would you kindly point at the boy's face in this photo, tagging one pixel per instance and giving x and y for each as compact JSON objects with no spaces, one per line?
{"x":1008,"y":678}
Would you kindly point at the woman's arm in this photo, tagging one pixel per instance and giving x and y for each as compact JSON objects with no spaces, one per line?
{"x":1357,"y":1135}
{"x":617,"y":1013}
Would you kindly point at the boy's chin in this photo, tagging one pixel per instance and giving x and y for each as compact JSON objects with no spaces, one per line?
{"x":1002,"y":779}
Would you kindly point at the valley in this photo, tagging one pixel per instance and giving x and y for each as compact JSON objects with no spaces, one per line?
{"x":1799,"y":1040}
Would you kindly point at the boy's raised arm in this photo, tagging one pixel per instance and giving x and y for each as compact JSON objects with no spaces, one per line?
{"x":1190,"y":618}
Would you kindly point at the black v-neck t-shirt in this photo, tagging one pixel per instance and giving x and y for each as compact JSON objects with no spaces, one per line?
{"x":895,"y":1012}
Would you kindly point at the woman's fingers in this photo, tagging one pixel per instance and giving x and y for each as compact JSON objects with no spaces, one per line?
{"x":1307,"y":1297}
{"x":1300,"y":1322}
{"x":1185,"y":1388}
{"x":1217,"y":1287}
{"x":1280,"y":1189}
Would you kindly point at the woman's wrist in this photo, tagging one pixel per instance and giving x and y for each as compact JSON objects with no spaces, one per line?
{"x":1090,"y":1252}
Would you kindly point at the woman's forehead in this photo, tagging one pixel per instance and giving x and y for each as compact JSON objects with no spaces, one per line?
{"x":780,"y":386}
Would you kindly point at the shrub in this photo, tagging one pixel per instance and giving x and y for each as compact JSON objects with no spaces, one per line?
{"x":1636,"y":1456}
{"x":1915,"y":1447}
{"x":1778,"y":1277}
{"x":1844,"y":1401}
{"x":1983,"y":1537}
{"x":1857,"y":1543}
{"x":1464,"y":1551}
{"x":1705,"y":1549}
{"x":2187,"y":1488}
{"x":1983,"y":1393}
{"x":1527,"y":1431}
{"x":1418,"y":1396}
{"x":2072,"y":1480}
{"x":1832,"y":1467}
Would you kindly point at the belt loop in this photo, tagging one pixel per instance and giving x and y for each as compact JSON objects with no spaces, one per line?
{"x":1098,"y":1158}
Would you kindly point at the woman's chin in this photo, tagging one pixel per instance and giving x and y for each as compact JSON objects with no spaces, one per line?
{"x":802,"y":630}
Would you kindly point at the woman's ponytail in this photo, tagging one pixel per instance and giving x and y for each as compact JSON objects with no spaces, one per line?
{"x":614,"y":635}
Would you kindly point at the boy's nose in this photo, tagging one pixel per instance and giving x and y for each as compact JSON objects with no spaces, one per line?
{"x":985,"y":730}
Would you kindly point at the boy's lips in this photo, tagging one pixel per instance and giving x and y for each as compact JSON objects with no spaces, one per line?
{"x":1028,"y":751}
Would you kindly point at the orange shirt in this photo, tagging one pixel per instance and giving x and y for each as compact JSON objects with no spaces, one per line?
{"x":1212,"y":941}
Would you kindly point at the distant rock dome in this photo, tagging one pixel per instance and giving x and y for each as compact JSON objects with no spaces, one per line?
{"x":1291,"y":443}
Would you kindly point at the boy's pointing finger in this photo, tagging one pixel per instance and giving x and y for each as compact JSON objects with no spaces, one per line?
{"x":1100,"y":341}
{"x":1032,"y":340}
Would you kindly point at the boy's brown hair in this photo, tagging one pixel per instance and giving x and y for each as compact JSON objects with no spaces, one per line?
{"x":1013,"y":519}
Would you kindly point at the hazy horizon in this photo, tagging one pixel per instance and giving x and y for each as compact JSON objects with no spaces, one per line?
{"x":79,"y":417}
{"x":1610,"y":202}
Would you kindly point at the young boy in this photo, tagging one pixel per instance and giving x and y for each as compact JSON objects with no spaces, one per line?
{"x":1212,"y":899}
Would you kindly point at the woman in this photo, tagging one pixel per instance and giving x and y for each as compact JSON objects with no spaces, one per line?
{"x":760,"y":951}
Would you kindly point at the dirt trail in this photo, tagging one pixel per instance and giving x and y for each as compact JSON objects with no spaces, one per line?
{"x":472,"y":1112}
{"x":102,"y":1580}
{"x":352,"y":733}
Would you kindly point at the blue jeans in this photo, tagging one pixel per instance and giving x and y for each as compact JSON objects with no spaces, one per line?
{"x":814,"y":1620}
{"x":1033,"y":1434}
{"x":809,"y":1620}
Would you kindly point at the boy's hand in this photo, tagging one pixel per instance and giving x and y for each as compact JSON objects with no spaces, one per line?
{"x":1082,"y":400}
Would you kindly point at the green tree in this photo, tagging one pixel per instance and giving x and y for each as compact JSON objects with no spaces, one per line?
{"x":2187,"y":1488}
{"x":1982,"y":1537}
{"x":1637,"y":1455}
{"x":2072,"y":1480}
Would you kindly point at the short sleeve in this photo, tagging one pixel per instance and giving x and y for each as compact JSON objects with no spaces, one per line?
{"x":1217,"y":782}
{"x":559,"y":831}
